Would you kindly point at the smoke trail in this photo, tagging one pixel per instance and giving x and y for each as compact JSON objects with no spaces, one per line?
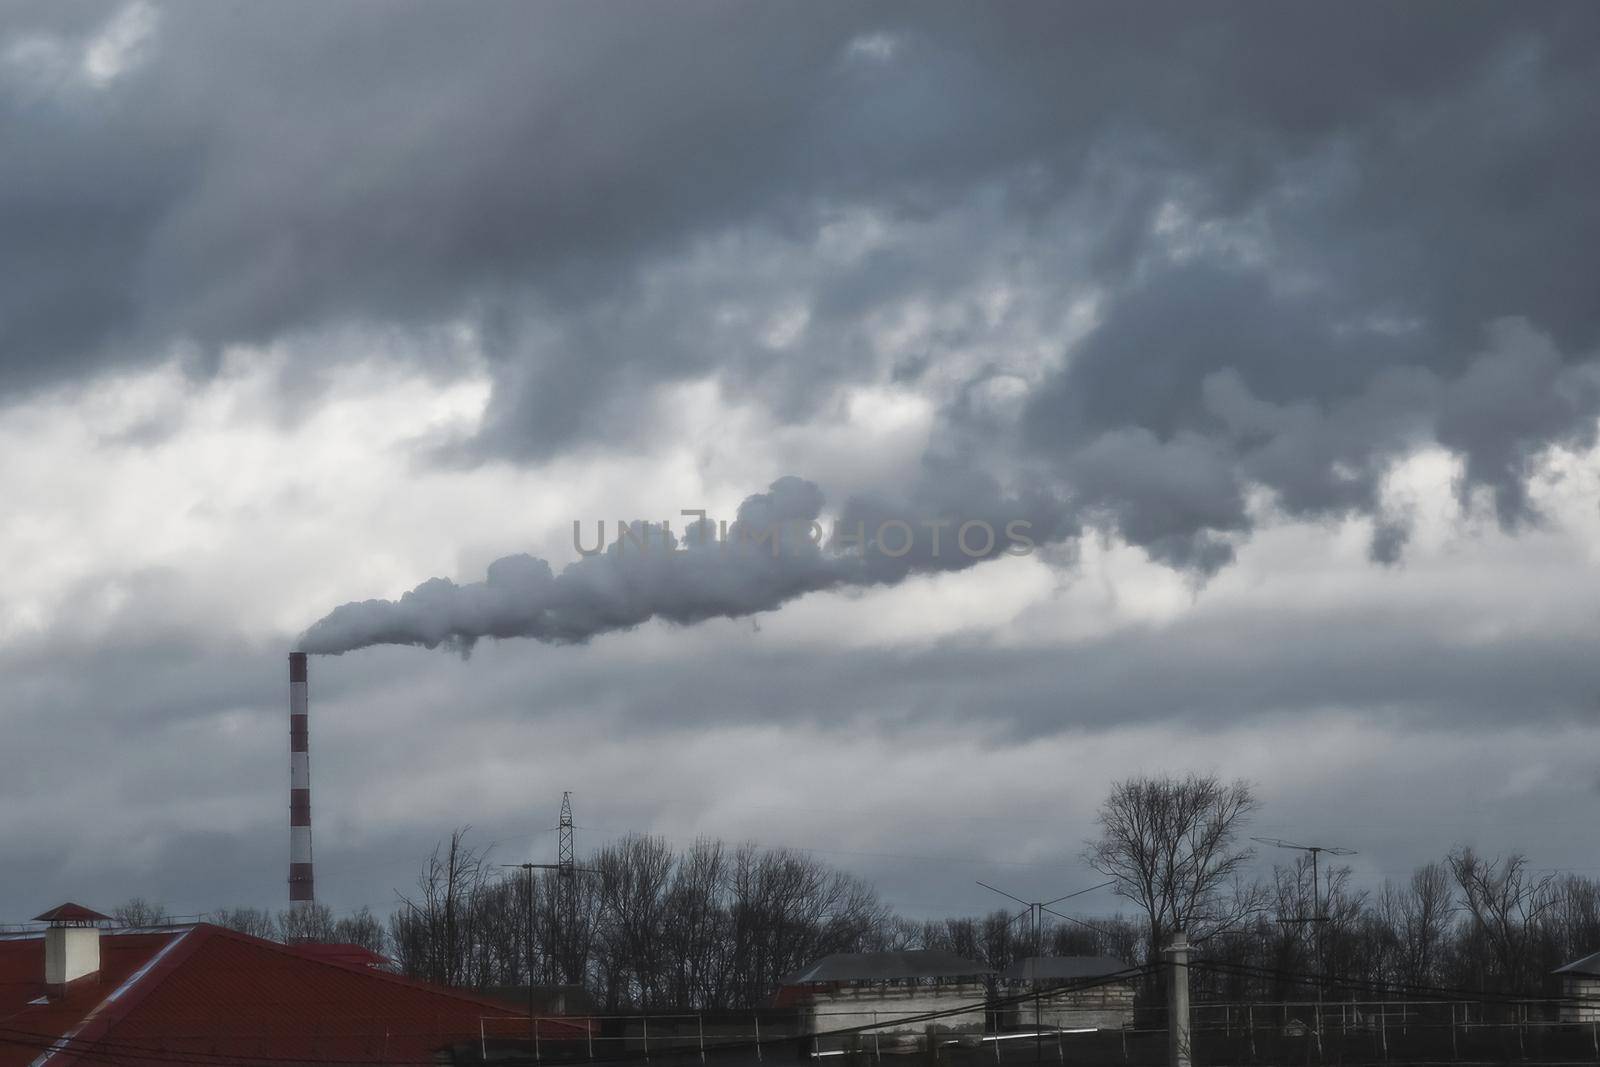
{"x":772,"y":553}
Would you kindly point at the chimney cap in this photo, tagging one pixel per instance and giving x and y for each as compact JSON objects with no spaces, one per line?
{"x":70,"y":914}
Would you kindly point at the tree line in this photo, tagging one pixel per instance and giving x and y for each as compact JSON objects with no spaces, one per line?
{"x":1476,"y":924}
{"x":313,"y":923}
{"x":645,"y":925}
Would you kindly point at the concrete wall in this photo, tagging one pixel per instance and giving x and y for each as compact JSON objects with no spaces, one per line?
{"x":70,"y":953}
{"x":1580,"y":985}
{"x":1107,"y":1007}
{"x":885,"y":1007}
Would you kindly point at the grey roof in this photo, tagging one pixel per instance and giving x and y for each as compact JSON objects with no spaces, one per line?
{"x":887,"y":966}
{"x":1587,"y":965}
{"x":1046,"y":968}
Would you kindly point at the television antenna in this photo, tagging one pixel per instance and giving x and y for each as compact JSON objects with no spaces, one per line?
{"x":1037,"y":908}
{"x":1318,"y":912}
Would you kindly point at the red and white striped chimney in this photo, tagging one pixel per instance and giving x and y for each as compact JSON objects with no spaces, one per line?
{"x":302,"y":887}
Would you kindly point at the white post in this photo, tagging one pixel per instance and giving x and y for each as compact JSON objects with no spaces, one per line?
{"x":757,"y":1018}
{"x":700,"y":1021}
{"x":1179,"y":1045}
{"x":483,"y":1043}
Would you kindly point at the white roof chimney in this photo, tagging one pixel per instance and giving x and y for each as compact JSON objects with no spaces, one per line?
{"x":71,"y":943}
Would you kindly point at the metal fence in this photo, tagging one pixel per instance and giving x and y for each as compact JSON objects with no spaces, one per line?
{"x":1224,"y":1033}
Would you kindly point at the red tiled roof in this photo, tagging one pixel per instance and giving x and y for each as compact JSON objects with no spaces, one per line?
{"x":22,"y":1020}
{"x":203,"y":992}
{"x":354,"y":955}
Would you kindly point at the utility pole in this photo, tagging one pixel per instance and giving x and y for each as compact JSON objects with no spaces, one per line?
{"x":566,"y":869}
{"x":528,"y":869}
{"x":1180,"y":1050}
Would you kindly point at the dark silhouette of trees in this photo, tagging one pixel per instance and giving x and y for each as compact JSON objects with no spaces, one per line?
{"x":1172,"y":847}
{"x":712,"y":927}
{"x":140,"y":912}
{"x":1504,"y":901}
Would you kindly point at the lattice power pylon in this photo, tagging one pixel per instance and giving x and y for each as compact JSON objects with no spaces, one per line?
{"x":567,"y":894}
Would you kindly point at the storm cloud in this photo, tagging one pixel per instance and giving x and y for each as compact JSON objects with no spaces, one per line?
{"x":1275,"y":324}
{"x":1307,"y":239}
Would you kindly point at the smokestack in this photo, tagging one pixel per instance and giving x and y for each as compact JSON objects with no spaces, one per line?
{"x":302,"y":887}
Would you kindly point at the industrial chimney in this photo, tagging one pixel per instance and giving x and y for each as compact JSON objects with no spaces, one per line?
{"x":302,"y":887}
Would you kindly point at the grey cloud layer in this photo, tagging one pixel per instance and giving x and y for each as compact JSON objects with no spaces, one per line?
{"x":1313,"y":238}
{"x":198,"y":727}
{"x":1314,"y":241}
{"x":540,"y":172}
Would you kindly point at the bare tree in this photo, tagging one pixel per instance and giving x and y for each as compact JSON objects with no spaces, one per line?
{"x":257,"y":922}
{"x":634,"y":877}
{"x":506,"y":948}
{"x":140,"y":912}
{"x":1504,"y":900}
{"x":696,"y":927}
{"x":1170,"y":844}
{"x":1001,"y":944}
{"x":960,"y":936}
{"x":1419,"y":916}
{"x":364,"y":929}
{"x":1570,"y":927}
{"x":434,"y":935}
{"x":306,"y":922}
{"x":898,"y":934}
{"x":787,"y":910}
{"x":1115,"y":936}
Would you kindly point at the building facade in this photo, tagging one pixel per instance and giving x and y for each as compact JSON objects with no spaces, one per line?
{"x":1068,"y":993}
{"x":864,"y":998}
{"x":1580,"y":990}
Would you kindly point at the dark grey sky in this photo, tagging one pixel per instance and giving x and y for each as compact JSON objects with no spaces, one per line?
{"x":1278,"y":322}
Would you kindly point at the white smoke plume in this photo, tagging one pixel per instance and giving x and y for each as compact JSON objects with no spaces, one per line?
{"x":774,"y":551}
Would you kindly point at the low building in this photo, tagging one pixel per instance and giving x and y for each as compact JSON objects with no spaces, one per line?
{"x":894,"y":995}
{"x":78,"y":993}
{"x":1580,"y":990}
{"x":1073,"y":993}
